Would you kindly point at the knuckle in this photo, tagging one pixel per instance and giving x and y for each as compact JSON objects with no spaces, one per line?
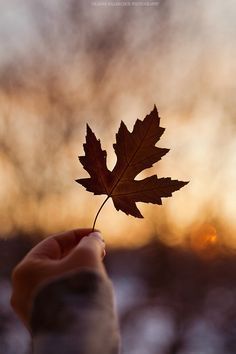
{"x":16,"y":273}
{"x":21,"y":272}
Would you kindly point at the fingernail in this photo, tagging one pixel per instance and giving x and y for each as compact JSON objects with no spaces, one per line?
{"x":98,"y":236}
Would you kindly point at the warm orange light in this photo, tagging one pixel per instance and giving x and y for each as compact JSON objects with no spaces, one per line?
{"x":205,"y":239}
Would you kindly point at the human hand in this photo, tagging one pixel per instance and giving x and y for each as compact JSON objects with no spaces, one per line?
{"x":53,"y":257}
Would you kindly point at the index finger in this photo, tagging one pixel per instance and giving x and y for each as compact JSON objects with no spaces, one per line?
{"x":57,"y":246}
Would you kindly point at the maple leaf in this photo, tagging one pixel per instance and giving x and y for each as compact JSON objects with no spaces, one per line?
{"x":135,"y":151}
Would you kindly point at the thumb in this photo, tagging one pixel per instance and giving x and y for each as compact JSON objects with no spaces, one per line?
{"x":88,"y":253}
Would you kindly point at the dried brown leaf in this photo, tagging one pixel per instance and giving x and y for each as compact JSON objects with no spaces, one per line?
{"x":135,"y":152}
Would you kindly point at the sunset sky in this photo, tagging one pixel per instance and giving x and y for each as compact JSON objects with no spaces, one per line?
{"x":67,"y":63}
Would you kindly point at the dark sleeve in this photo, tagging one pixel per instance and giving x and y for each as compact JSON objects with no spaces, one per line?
{"x":75,"y":315}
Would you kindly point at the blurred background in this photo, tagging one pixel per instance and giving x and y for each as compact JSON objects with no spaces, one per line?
{"x":67,"y":63}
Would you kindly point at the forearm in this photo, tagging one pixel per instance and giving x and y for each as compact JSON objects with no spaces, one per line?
{"x":75,"y":315}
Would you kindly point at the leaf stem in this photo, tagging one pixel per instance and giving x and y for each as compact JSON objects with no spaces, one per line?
{"x":99,"y":211}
